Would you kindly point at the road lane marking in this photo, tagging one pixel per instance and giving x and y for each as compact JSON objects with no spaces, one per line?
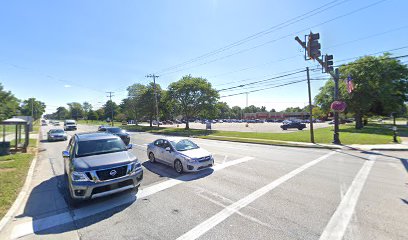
{"x":338,"y":223}
{"x":213,"y":221}
{"x":41,"y":224}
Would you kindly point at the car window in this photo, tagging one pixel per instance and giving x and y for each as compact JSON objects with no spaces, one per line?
{"x":166,"y":144}
{"x":114,"y":130}
{"x":184,"y":145}
{"x":159,"y":143}
{"x":100,"y":146}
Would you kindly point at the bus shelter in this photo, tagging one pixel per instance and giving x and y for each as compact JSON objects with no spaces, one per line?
{"x":19,"y":124}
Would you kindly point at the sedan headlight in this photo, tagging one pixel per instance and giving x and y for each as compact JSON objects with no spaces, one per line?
{"x":190,"y":160}
{"x":79,"y":177}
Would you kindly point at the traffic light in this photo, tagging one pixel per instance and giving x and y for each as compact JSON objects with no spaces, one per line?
{"x":313,"y":46}
{"x":328,"y":63}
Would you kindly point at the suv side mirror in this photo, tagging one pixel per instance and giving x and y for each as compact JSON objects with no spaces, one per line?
{"x":65,"y":154}
{"x":168,"y":149}
{"x":130,"y":146}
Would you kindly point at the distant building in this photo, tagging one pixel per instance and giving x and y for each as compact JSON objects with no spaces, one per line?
{"x":277,"y":115}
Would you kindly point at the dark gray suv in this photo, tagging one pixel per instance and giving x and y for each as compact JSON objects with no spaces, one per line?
{"x":99,"y":164}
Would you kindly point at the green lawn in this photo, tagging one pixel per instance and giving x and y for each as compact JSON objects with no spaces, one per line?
{"x":32,"y":142}
{"x":370,"y":134}
{"x":13,"y":171}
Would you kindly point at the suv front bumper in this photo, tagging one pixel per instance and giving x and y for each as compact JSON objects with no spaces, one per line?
{"x":90,"y":189}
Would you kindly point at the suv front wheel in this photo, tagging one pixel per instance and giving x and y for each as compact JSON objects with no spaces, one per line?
{"x":178,"y":166}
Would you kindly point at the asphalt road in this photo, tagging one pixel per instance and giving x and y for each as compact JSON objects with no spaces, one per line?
{"x":253,"y":192}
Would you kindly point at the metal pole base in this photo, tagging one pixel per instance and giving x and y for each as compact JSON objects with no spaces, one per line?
{"x":336,"y":139}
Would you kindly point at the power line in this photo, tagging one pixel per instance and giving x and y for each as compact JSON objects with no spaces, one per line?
{"x":277,"y":39}
{"x":265,"y":80}
{"x":281,"y":85}
{"x":259,"y":34}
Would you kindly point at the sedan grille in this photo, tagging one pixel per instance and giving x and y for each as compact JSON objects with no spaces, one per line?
{"x":111,"y":173}
{"x":204,"y":159}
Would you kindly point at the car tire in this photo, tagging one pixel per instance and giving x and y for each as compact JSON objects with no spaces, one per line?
{"x":152,"y":158}
{"x":300,"y":128}
{"x":178,"y":166}
{"x":284,"y":128}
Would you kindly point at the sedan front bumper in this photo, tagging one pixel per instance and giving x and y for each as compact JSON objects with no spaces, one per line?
{"x":197,"y":166}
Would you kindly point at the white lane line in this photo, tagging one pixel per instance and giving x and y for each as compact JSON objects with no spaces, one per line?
{"x":338,"y":223}
{"x":41,"y":224}
{"x":213,"y":221}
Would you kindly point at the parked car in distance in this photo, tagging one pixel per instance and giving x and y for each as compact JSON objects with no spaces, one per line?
{"x":102,"y":126}
{"x":118,"y":132}
{"x":180,"y":153}
{"x":98,"y":164}
{"x":70,"y":125}
{"x":56,"y":134}
{"x":298,"y":125}
{"x":56,"y":123}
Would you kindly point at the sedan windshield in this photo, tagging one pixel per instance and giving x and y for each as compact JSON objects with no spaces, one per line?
{"x":100,"y":146}
{"x":57,"y":131}
{"x":184,"y":145}
{"x":114,"y":130}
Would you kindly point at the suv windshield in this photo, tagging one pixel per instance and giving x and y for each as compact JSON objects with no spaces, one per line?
{"x":184,"y":145}
{"x":114,"y":130}
{"x":100,"y":146}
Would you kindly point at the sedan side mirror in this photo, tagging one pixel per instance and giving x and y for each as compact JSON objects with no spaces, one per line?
{"x":65,"y":154}
{"x":130,"y":146}
{"x":168,"y":149}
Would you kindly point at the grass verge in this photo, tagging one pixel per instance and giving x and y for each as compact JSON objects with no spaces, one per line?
{"x":370,"y":134}
{"x":13,"y":171}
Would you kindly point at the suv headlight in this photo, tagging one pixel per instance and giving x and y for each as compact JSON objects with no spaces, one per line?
{"x":79,"y":177}
{"x":136,"y":166}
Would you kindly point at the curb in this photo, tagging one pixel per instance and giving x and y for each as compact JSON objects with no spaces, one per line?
{"x":274,"y":144}
{"x":305,"y":146}
{"x":23,"y":191}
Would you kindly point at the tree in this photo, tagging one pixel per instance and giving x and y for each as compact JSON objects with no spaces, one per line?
{"x":32,"y":107}
{"x":252,"y":109}
{"x":121,"y":117}
{"x":87,"y":107}
{"x":8,"y":104}
{"x":223,"y":111}
{"x":263,"y":109}
{"x":193,"y":96}
{"x":318,"y":113}
{"x":75,"y":110}
{"x":236,"y":112}
{"x":100,"y":113}
{"x":272,"y":110}
{"x":381,"y":87}
{"x":293,"y":109}
{"x":61,"y":113}
{"x":93,"y":115}
{"x":110,"y":109}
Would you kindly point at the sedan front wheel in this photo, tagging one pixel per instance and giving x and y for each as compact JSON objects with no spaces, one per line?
{"x":178,"y":166}
{"x":152,"y":158}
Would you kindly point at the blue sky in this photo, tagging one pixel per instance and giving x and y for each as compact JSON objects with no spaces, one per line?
{"x":66,"y":51}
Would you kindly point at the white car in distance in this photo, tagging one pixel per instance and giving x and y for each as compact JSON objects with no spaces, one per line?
{"x":180,"y":153}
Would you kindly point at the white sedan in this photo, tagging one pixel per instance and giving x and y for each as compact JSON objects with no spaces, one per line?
{"x":180,"y":153}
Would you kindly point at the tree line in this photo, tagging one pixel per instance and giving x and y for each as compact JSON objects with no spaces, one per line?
{"x":381,"y":87}
{"x":11,"y":106}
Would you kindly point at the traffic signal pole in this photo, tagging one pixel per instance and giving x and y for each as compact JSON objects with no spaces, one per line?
{"x":335,"y":75}
{"x":310,"y":107}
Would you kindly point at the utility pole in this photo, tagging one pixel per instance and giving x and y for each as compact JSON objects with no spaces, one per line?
{"x":246,"y":99}
{"x":310,"y":107}
{"x":32,"y":108}
{"x":110,"y":98}
{"x":155,"y":97}
{"x":312,"y":51}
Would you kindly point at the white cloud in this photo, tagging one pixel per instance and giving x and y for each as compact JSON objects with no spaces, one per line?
{"x":67,"y":86}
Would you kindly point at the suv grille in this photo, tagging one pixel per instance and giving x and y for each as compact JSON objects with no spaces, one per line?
{"x":106,"y":174}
